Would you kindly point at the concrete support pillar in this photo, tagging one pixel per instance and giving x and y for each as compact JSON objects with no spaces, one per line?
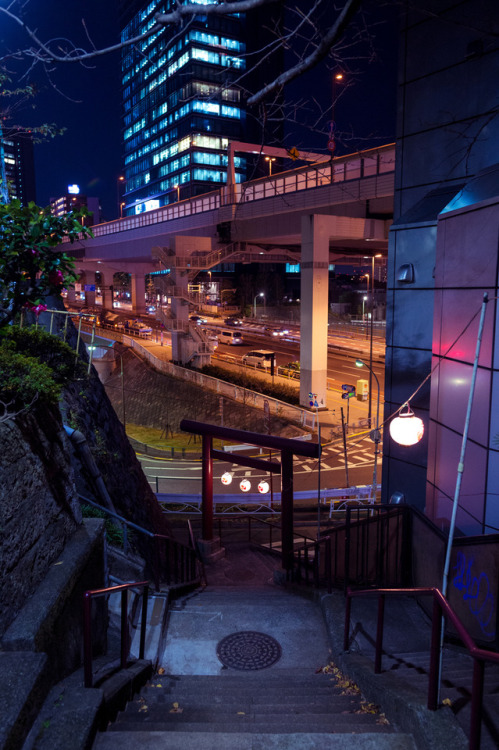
{"x":314,"y":297}
{"x":107,"y":277}
{"x":180,"y":310}
{"x":138,"y":293}
{"x":89,"y":282}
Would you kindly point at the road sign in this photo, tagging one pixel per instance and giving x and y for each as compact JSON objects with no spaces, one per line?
{"x":349,"y":390}
{"x":294,"y":153}
{"x":331,"y":144}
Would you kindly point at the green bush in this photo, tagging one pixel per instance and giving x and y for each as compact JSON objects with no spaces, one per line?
{"x":285,"y":393}
{"x":33,"y":367}
{"x":48,"y":349}
{"x":24,"y":380}
{"x":114,"y":532}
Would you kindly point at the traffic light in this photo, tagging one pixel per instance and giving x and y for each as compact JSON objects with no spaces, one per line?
{"x":349,"y":391}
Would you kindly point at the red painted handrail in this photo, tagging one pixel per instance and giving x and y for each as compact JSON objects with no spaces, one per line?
{"x":441,"y":609}
{"x":125,"y":645}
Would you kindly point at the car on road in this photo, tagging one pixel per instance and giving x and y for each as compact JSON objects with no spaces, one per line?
{"x":198,"y":319}
{"x":231,"y":338}
{"x":233,"y":321}
{"x":276,"y":331}
{"x":137,"y":328}
{"x":260,"y":358}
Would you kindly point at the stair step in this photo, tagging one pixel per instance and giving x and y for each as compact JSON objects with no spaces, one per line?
{"x":222,"y":705}
{"x":287,"y":725}
{"x":151,"y":740}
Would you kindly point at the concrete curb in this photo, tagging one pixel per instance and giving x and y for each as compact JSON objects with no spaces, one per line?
{"x":406,"y":705}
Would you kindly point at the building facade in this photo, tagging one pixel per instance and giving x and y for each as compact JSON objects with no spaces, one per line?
{"x":443,"y":258}
{"x":73,"y":200}
{"x":18,"y":168}
{"x":181,"y":105}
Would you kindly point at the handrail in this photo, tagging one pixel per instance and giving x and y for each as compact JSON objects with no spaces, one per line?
{"x":441,"y":609}
{"x":185,"y":552}
{"x":125,"y":640}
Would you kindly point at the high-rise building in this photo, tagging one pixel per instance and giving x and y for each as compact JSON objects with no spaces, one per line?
{"x":183,"y":99}
{"x":73,"y":200}
{"x":19,"y":166}
{"x":181,"y":104}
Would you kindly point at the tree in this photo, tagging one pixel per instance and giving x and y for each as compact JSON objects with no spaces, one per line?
{"x":12,"y":100}
{"x":307,"y":33}
{"x":30,"y":270}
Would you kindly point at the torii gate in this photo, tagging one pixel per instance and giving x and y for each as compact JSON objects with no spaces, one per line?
{"x":288,"y":447}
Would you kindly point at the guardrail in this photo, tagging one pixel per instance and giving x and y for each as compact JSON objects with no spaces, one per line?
{"x":88,"y":597}
{"x":369,"y":163}
{"x":441,"y":610}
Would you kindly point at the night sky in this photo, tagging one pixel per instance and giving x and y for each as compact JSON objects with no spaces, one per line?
{"x":87,"y":100}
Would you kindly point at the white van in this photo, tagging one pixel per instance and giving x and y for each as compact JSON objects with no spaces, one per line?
{"x":231,"y":338}
{"x":261,"y":358}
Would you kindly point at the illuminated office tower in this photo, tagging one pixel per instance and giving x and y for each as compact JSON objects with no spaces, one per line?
{"x":181,"y":104}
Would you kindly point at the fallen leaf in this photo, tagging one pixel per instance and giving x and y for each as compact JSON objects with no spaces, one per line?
{"x":447,"y":702}
{"x":161,"y":670}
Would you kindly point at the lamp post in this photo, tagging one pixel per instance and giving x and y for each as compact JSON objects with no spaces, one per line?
{"x":375,"y":434}
{"x":270,"y":159}
{"x":260,"y":294}
{"x":364,"y":300}
{"x":371,"y":334}
{"x":120,"y":179}
{"x":177,"y":188}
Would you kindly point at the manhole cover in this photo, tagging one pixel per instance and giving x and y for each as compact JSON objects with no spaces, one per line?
{"x":248,"y":650}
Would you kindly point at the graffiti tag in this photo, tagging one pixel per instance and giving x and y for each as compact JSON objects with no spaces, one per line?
{"x":475,"y":591}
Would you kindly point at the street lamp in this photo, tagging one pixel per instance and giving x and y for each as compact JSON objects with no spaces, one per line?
{"x":118,"y":193}
{"x":270,"y":159}
{"x":375,"y":434}
{"x":177,"y":188}
{"x":371,"y":333}
{"x":260,"y":294}
{"x":364,"y":300}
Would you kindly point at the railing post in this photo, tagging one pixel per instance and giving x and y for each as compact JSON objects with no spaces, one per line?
{"x":476,"y":704}
{"x":348,"y":608}
{"x":156,"y":563}
{"x":87,"y":640}
{"x":124,"y":628}
{"x":436,"y":630}
{"x":328,"y":565}
{"x":379,"y":634}
{"x":143,"y":622}
{"x":347,"y":550}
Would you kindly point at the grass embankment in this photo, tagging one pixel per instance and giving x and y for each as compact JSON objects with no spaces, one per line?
{"x":155,"y":438}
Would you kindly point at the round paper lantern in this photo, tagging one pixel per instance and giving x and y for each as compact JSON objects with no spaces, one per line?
{"x":226,"y":478}
{"x":263,"y":487}
{"x":407,"y":429}
{"x":245,"y":485}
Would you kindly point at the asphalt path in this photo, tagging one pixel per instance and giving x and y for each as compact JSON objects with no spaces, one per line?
{"x":183,"y":476}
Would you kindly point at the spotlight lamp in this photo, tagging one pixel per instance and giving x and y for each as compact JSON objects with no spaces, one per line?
{"x":406,"y":429}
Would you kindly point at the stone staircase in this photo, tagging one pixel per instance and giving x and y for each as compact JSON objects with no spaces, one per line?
{"x":276,"y":689}
{"x":296,"y":709}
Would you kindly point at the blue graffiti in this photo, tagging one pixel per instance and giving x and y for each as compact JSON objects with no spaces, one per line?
{"x":476,"y":591}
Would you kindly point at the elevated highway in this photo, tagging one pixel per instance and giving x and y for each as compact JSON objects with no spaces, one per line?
{"x":314,"y":215}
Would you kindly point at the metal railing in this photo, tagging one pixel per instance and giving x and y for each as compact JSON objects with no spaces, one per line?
{"x":441,"y":611}
{"x":364,"y":164}
{"x":88,"y":597}
{"x":371,"y":547}
{"x":172,"y":561}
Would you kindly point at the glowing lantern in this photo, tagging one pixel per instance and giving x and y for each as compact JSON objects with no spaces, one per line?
{"x":407,"y":429}
{"x":226,"y":478}
{"x":245,"y":485}
{"x":263,"y":487}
